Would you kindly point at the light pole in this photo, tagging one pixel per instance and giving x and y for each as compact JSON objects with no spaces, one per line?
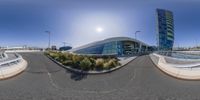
{"x":136,"y":33}
{"x":49,"y":33}
{"x":64,"y":43}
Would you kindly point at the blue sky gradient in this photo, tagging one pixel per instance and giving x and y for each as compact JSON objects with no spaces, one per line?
{"x":23,"y":22}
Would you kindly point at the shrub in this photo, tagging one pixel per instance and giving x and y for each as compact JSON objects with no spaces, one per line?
{"x":53,"y":55}
{"x":67,"y":62}
{"x":85,"y":64}
{"x":106,"y":65}
{"x":99,"y":63}
{"x":62,"y":57}
{"x":69,"y":56}
{"x":111,"y":63}
{"x":76,"y":59}
{"x":93,"y":61}
{"x":114,"y":63}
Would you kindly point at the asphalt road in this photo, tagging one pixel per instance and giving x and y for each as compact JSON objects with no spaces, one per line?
{"x":139,"y":80}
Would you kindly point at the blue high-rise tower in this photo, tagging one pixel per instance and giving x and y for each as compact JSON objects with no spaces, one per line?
{"x":165,"y":30}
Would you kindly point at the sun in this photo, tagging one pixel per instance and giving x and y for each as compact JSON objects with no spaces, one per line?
{"x":99,"y":29}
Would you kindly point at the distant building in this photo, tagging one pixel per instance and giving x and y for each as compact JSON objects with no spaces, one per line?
{"x":16,"y":47}
{"x":165,"y":29}
{"x":53,"y":47}
{"x":65,"y":48}
{"x":24,"y":47}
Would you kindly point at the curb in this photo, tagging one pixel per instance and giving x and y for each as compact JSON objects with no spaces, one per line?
{"x":23,"y":65}
{"x":177,"y":76}
{"x":89,"y":72}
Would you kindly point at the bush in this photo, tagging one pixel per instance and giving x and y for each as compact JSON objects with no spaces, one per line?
{"x":106,"y":65}
{"x":113,"y":63}
{"x":53,"y":55}
{"x":99,"y":63}
{"x":67,"y":62}
{"x":85,"y":64}
{"x":62,"y":57}
{"x":93,"y":61}
{"x":76,"y":59}
{"x":69,"y":56}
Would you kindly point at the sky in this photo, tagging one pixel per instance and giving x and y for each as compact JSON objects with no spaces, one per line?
{"x":24,"y":22}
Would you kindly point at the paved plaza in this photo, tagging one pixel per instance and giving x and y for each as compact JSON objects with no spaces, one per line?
{"x":139,"y":80}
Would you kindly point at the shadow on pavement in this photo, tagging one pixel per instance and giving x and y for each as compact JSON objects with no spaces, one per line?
{"x":76,"y":75}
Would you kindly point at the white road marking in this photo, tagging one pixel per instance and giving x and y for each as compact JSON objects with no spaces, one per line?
{"x":51,"y":80}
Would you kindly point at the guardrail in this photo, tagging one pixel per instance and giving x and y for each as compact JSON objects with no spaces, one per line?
{"x":192,"y":63}
{"x":182,"y":71}
{"x":13,"y":61}
{"x":4,"y":56}
{"x":179,"y":55}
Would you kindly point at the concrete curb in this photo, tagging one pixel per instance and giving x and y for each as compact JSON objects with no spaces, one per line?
{"x":178,"y":73}
{"x":89,"y":72}
{"x":13,"y":70}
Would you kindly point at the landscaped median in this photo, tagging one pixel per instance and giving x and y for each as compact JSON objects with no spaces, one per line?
{"x":188,"y":69}
{"x":12,"y":67}
{"x":87,"y":64}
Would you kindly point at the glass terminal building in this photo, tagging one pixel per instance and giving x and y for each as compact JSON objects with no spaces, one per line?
{"x":120,"y":46}
{"x":165,"y":29}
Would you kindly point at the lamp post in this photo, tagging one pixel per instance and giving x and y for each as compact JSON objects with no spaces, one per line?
{"x":64,"y":43}
{"x":136,"y":33}
{"x":49,"y":33}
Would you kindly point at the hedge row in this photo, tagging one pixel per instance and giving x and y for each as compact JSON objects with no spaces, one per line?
{"x":84,"y":62}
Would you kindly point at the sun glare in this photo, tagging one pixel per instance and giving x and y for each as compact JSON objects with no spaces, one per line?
{"x":99,"y":29}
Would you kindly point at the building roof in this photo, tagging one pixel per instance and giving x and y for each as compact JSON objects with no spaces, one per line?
{"x":109,"y":40}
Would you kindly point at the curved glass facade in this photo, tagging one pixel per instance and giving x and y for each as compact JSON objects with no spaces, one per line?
{"x":96,"y":49}
{"x":110,"y":48}
{"x":120,"y":48}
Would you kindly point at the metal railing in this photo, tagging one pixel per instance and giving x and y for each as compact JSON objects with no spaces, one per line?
{"x":11,"y":62}
{"x":176,"y":54}
{"x":3,"y":56}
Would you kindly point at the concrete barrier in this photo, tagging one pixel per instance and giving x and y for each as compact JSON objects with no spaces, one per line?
{"x":188,"y":73}
{"x":12,"y":68}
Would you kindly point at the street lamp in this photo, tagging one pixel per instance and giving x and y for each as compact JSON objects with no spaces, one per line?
{"x":64,"y":43}
{"x":136,"y":33}
{"x":49,"y":33}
